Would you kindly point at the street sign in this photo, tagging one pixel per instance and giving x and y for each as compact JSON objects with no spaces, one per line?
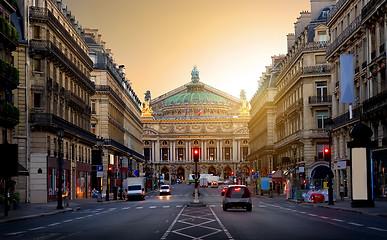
{"x":270,"y":175}
{"x":255,"y":175}
{"x":99,"y":170}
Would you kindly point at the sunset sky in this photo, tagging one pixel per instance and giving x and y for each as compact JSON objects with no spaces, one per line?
{"x":159,"y":41}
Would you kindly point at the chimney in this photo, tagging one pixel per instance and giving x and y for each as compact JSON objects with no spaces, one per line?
{"x":291,"y":39}
{"x":302,"y":22}
{"x":317,"y":5}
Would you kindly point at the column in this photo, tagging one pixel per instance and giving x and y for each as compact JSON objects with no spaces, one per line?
{"x":234,"y":150}
{"x":205,"y":151}
{"x":217,"y":151}
{"x":157,"y":151}
{"x":201,"y":151}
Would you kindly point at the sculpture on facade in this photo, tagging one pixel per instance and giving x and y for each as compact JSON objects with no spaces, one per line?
{"x":244,"y":109}
{"x":147,"y":109}
{"x":195,"y":72}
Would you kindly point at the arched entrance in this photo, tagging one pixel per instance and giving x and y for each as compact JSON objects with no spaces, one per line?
{"x":227,"y":173}
{"x":212,"y":171}
{"x":320,"y":175}
{"x":165,"y":171}
{"x":180,"y":173}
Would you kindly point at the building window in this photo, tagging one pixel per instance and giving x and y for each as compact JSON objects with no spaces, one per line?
{"x":164,"y":154}
{"x":196,"y":142}
{"x":321,"y":92}
{"x":93,"y":107}
{"x":147,"y":154}
{"x":165,"y":143}
{"x":180,"y":143}
{"x":146,"y":143}
{"x":321,"y":117}
{"x":180,"y":154}
{"x":211,"y":154}
{"x":93,"y":128}
{"x":37,"y":100}
{"x":37,"y":65}
{"x":227,"y":153}
{"x":322,"y":36}
{"x":36,"y":34}
{"x":245,"y":151}
{"x":211,"y":142}
{"x":92,"y":79}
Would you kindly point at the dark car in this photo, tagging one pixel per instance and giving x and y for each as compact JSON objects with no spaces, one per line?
{"x":237,"y":196}
{"x":224,"y":189}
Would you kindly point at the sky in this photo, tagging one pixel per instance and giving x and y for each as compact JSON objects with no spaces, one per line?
{"x":160,"y":41}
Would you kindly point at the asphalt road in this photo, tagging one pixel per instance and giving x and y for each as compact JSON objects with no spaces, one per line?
{"x":169,"y":217}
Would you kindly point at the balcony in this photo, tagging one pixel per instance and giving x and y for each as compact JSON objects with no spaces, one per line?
{"x":318,"y":133}
{"x":46,"y":15}
{"x":51,"y":122}
{"x":47,"y":47}
{"x":9,"y":75}
{"x":373,"y":55}
{"x":381,"y":49}
{"x":320,"y":100}
{"x":357,"y":69}
{"x":344,"y":35}
{"x":343,"y":119}
{"x":364,"y":65}
{"x":8,"y":34}
{"x":9,"y":115}
{"x":335,"y":9}
{"x":376,"y":103}
{"x":370,"y":8}
{"x":316,"y":69}
{"x":119,"y":146}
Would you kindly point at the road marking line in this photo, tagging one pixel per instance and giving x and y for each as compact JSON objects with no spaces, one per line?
{"x":165,"y":206}
{"x":356,"y":224}
{"x":37,"y":228}
{"x":78,"y":218}
{"x":173,"y":223}
{"x":313,"y":215}
{"x":303,"y":212}
{"x":90,"y":215}
{"x":53,"y":224}
{"x":15,"y":233}
{"x":324,"y":217}
{"x":212,"y":206}
{"x":378,"y":229}
{"x":152,"y":207}
{"x":338,"y":220}
{"x":66,"y":221}
{"x":222,"y":226}
{"x":179,"y":206}
{"x":139,"y":207}
{"x":126,"y":208}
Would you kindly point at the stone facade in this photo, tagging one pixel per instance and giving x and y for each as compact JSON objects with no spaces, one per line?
{"x":196,"y":115}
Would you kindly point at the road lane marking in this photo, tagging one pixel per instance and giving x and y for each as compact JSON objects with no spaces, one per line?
{"x":53,"y":224}
{"x":222,"y":226}
{"x":313,"y":215}
{"x":173,"y":223}
{"x":126,"y":208}
{"x":165,"y":206}
{"x":356,"y":224}
{"x":337,"y":220}
{"x":378,"y":229}
{"x":79,"y":218}
{"x":152,"y":207}
{"x":179,"y":206}
{"x":324,"y":217}
{"x":37,"y":228}
{"x":15,"y":233}
{"x":66,"y":221}
{"x":139,"y":207}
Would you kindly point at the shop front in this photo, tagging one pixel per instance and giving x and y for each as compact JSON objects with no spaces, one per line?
{"x":52,"y":178}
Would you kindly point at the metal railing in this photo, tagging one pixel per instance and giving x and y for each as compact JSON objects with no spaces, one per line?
{"x":324,"y":68}
{"x":344,"y":35}
{"x":44,"y":13}
{"x":320,"y":99}
{"x":335,"y":9}
{"x":48,"y":46}
{"x":370,"y":7}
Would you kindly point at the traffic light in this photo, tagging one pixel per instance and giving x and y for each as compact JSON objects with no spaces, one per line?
{"x":252,"y":170}
{"x":110,"y":170}
{"x":232,"y":173}
{"x":327,"y":154}
{"x":196,"y":152}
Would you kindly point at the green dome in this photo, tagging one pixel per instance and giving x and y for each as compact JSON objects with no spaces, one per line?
{"x":195,"y":97}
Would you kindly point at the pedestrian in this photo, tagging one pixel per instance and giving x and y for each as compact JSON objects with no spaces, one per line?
{"x":341,"y":188}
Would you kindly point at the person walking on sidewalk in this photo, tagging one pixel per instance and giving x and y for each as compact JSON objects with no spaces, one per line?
{"x":341,"y":189}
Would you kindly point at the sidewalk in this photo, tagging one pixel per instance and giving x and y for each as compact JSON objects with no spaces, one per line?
{"x":380,"y":208}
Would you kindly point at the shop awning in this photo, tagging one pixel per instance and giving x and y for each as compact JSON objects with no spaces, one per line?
{"x":277,"y":176}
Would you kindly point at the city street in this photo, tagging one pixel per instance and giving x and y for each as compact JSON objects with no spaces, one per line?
{"x":172,"y":217}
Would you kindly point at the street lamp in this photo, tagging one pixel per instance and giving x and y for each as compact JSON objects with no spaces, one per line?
{"x":60,"y":134}
{"x":100,"y":143}
{"x":329,"y":124}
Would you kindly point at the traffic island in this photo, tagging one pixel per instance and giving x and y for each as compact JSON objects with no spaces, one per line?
{"x":193,"y":204}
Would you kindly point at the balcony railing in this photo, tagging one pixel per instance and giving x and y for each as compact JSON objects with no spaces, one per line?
{"x":335,"y":8}
{"x":357,"y":69}
{"x":344,"y":35}
{"x":344,"y":118}
{"x":75,"y":99}
{"x":381,"y":49}
{"x":43,"y":13}
{"x":374,"y":103}
{"x":316,"y":69}
{"x":320,"y":99}
{"x":9,"y":114}
{"x":48,"y":46}
{"x":123,"y":148}
{"x":52,"y":121}
{"x":364,"y":65}
{"x":369,"y":8}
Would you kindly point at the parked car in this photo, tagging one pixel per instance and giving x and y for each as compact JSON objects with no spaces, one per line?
{"x":214,"y":185}
{"x":237,"y":196}
{"x":165,"y":189}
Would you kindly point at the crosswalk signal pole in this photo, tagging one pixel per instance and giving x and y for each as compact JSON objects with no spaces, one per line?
{"x":196,"y":160}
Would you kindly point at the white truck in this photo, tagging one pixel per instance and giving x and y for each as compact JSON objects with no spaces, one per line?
{"x":203,"y":182}
{"x":136,"y":187}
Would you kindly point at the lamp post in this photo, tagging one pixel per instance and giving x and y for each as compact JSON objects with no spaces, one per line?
{"x":329,"y":125}
{"x":100,"y":143}
{"x":60,"y":134}
{"x":121,"y":198}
